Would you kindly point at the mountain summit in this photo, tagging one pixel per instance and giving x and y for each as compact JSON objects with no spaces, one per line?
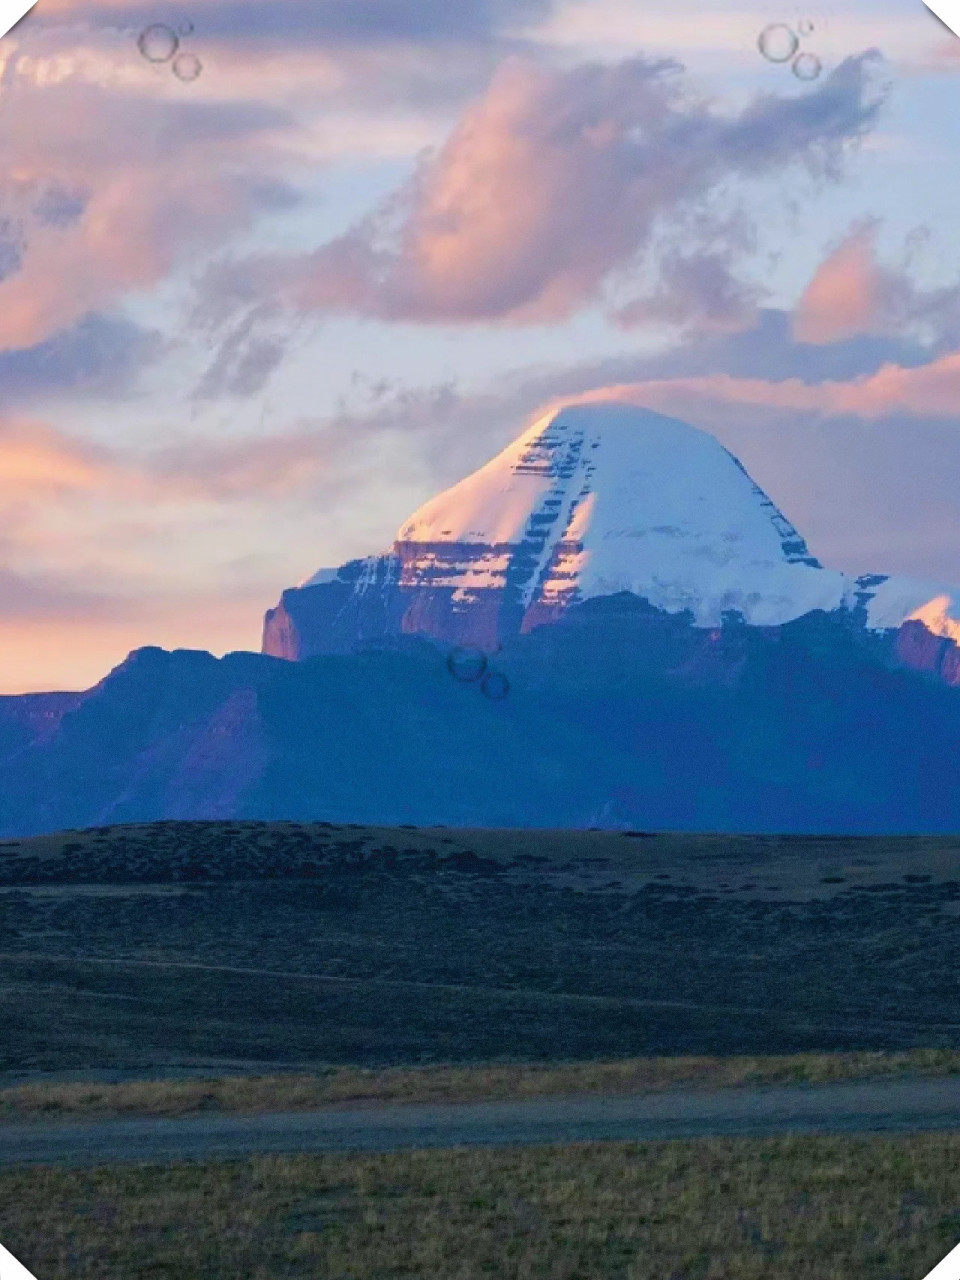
{"x":592,"y":500}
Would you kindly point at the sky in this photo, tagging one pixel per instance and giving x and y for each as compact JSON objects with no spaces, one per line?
{"x":265,"y":292}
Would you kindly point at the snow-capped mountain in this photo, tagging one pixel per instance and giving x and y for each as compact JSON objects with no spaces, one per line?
{"x":592,"y":500}
{"x":696,"y":656}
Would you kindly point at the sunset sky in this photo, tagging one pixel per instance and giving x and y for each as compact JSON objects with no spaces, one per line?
{"x":249,"y":321}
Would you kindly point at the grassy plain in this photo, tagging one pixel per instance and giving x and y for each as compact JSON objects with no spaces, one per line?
{"x":821,"y":1208}
{"x":242,"y":948}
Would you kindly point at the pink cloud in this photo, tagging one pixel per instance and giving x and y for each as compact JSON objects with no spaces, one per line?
{"x":151,"y":184}
{"x":36,"y":460}
{"x":39,"y":464}
{"x":845,"y":296}
{"x":555,"y":180}
{"x":931,"y":390}
{"x":852,"y":293}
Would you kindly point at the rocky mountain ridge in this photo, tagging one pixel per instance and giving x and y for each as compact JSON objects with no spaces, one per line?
{"x":618,"y":716}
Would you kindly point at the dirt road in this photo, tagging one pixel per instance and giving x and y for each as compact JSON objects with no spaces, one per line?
{"x":861,"y":1107}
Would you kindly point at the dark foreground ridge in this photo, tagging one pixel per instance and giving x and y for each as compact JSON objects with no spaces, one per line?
{"x":617,"y":716}
{"x":251,"y":947}
{"x":901,"y":1106}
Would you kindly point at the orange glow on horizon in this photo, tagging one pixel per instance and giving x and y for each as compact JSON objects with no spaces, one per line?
{"x":53,"y":655}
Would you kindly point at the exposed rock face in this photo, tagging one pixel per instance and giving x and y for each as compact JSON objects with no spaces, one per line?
{"x":593,"y":500}
{"x":918,"y":648}
{"x":950,"y":665}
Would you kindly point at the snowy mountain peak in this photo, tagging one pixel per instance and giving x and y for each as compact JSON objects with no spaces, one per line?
{"x":592,"y":499}
{"x":606,"y":497}
{"x":645,"y":467}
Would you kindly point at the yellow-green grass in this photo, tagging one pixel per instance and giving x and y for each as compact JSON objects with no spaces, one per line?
{"x":346,"y":1085}
{"x":732,"y":1209}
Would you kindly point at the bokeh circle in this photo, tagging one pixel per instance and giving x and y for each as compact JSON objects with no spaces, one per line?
{"x":495,"y":686}
{"x":466,"y":665}
{"x":778,"y":43}
{"x":187,"y":66}
{"x":807,"y":66}
{"x":158,"y":43}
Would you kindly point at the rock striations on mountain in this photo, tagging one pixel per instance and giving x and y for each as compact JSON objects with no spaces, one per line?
{"x":593,"y":500}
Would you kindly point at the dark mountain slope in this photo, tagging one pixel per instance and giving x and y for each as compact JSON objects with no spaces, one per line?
{"x":617,"y":715}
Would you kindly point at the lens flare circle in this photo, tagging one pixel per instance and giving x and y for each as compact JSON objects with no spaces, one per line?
{"x":495,"y":686}
{"x":807,"y":66}
{"x":466,"y":665}
{"x":778,"y":42}
{"x":187,"y":67}
{"x":158,"y":43}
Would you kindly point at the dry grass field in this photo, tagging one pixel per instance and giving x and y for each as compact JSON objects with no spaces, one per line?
{"x":352,"y":1085}
{"x":820,"y":1208}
